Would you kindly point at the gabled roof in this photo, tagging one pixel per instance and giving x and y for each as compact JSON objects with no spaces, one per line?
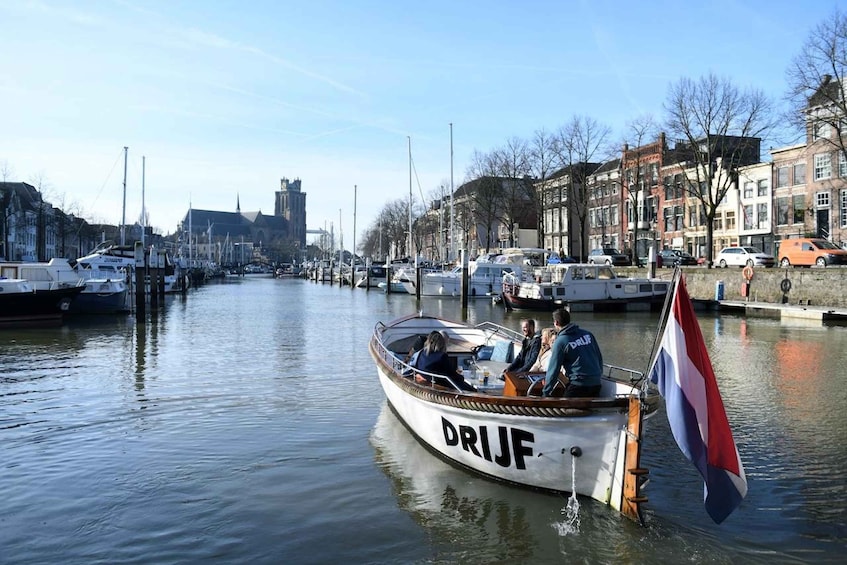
{"x":576,"y":169}
{"x":266,"y":221}
{"x":608,"y":166}
{"x":232,"y":223}
{"x":26,"y":194}
{"x":830,"y":91}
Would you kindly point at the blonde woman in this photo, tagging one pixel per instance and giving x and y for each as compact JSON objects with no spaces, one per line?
{"x":548,"y":336}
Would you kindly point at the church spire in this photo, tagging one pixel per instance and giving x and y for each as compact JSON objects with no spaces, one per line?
{"x":237,"y":203}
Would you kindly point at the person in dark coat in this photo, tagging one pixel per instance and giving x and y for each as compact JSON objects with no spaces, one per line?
{"x":530,"y":346}
{"x":433,"y":359}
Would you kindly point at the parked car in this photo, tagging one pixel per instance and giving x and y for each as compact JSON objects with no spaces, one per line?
{"x":609,"y":256}
{"x":808,"y":251}
{"x":675,"y":258}
{"x":744,"y":256}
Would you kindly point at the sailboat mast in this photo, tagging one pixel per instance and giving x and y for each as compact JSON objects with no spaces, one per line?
{"x":353,"y":257}
{"x":410,"y":199}
{"x":190,"y":232}
{"x":143,"y":211}
{"x":452,"y":239}
{"x":123,"y":211}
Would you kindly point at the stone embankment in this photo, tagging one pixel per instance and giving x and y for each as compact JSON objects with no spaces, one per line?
{"x":808,"y":286}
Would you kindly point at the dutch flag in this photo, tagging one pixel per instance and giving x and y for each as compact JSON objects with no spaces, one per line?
{"x":683,"y":373}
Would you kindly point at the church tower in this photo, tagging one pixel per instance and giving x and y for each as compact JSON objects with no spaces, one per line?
{"x":291,"y":205}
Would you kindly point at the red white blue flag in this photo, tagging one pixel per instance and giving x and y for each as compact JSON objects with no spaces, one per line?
{"x":683,"y":373}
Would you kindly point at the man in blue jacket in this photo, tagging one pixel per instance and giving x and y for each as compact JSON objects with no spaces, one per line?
{"x":576,"y":351}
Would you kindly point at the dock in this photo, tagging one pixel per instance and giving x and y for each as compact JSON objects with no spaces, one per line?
{"x":788,"y":311}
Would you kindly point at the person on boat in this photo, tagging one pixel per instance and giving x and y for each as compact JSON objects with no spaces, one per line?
{"x":576,"y":351}
{"x":433,"y":359}
{"x":414,"y":351}
{"x":548,"y":336}
{"x":530,"y":346}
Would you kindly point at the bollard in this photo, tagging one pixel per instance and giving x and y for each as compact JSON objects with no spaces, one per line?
{"x":719,"y":290}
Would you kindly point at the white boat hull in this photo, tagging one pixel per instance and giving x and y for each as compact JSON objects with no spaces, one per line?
{"x":529,"y":451}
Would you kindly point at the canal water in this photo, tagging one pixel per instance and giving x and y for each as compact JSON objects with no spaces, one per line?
{"x":245,"y":423}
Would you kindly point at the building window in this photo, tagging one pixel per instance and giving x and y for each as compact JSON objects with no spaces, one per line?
{"x":762,"y":187}
{"x":799,"y":207}
{"x":782,"y":211}
{"x":680,"y":218}
{"x":822,"y":199}
{"x":820,"y":130}
{"x":800,"y":173}
{"x":843,"y":211}
{"x":762,"y":216}
{"x":730,"y":220}
{"x":842,"y":165}
{"x":748,"y":217}
{"x":667,"y":216}
{"x":823,"y":166}
{"x":748,"y":189}
{"x":781,"y":177}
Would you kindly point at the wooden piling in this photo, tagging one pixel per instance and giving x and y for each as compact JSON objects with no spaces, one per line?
{"x":140,"y":305}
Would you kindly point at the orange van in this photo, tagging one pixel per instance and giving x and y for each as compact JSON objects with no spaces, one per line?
{"x":805,"y":251}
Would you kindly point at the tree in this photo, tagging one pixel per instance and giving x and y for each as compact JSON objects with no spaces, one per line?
{"x":542,"y":161}
{"x":511,"y":164}
{"x":721,"y":128}
{"x":485,"y":193}
{"x":816,"y":80}
{"x":634,"y":179}
{"x":581,"y":143}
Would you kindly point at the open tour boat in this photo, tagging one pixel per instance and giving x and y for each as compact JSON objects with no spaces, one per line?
{"x":587,"y":445}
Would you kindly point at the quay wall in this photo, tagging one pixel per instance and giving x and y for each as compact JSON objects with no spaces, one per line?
{"x":809,"y":286}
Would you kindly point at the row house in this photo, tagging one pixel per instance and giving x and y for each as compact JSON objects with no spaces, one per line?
{"x":488,"y":214}
{"x":26,"y":221}
{"x":570,"y":205}
{"x":604,"y":206}
{"x":32,"y":229}
{"x":802,"y":191}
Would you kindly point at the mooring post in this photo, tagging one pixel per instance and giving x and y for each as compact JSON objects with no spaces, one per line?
{"x":139,"y":280}
{"x":162,"y":261}
{"x":153,"y":268}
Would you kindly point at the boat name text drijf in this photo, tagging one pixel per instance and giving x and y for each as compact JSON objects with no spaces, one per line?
{"x":475,"y":441}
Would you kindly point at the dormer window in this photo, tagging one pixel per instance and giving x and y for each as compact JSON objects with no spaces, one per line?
{"x":820,"y":130}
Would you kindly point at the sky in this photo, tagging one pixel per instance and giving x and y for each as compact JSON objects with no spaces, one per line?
{"x":218,"y":100}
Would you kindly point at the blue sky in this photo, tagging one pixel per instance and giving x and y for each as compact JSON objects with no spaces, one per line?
{"x":224,"y":98}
